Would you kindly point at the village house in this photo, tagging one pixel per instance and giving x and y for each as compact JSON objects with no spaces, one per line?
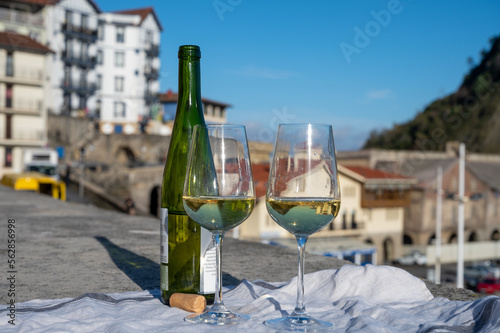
{"x":482,"y":191}
{"x":368,"y":228}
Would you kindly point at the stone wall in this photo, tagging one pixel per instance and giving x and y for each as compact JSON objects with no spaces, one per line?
{"x":122,"y":165}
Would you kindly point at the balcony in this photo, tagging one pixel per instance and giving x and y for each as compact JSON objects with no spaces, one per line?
{"x":76,"y":31}
{"x":25,"y":106}
{"x":20,"y":137}
{"x":151,"y":73}
{"x":79,"y":87}
{"x":149,"y":97}
{"x":152,"y":50}
{"x":22,"y":18}
{"x":21,"y":75}
{"x":84,"y":61}
{"x":385,"y":198}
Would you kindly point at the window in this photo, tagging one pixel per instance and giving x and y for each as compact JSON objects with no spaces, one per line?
{"x":100,"y":31}
{"x":8,"y":96}
{"x":120,"y":34}
{"x":99,"y":57}
{"x":69,"y":48}
{"x":209,"y":110}
{"x":67,"y":76}
{"x":119,"y":59}
{"x":119,"y":110}
{"x":85,"y":22}
{"x":9,"y":70}
{"x":69,"y":19}
{"x":8,"y":157}
{"x":118,"y":83}
{"x":67,"y":102}
{"x":98,"y":108}
{"x":149,"y":36}
{"x":83,"y":79}
{"x":84,"y":51}
{"x":99,"y":81}
{"x":354,"y":224}
{"x":8,"y":126}
{"x":82,"y":102}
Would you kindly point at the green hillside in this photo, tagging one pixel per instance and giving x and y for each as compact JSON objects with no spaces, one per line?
{"x":470,"y":115}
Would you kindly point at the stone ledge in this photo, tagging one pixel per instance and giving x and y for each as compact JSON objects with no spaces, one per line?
{"x":66,"y":249}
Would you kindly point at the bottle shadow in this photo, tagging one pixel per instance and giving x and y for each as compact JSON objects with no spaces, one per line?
{"x":143,"y":271}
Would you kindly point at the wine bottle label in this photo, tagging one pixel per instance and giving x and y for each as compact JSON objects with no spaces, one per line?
{"x":208,"y":259}
{"x":164,"y":235}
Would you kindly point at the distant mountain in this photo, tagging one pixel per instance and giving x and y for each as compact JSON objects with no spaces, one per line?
{"x":470,"y":115}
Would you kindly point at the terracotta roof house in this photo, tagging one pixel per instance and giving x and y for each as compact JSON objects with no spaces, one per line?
{"x":214,"y":111}
{"x":372,"y":212}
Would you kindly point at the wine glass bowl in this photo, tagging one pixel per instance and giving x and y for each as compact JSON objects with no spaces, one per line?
{"x":218,"y":195}
{"x":303,"y":196}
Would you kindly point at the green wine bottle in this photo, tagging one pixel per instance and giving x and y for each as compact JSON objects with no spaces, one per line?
{"x":187,"y":253}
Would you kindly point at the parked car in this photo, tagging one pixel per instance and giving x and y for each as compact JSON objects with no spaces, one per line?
{"x":478,"y":272}
{"x":492,"y":268}
{"x":412,"y":258}
{"x":482,"y":270}
{"x":488,"y":286}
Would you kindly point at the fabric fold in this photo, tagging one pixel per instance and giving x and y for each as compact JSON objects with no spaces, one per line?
{"x":354,"y":298}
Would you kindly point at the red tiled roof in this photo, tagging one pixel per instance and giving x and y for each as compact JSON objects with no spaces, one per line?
{"x":260,"y":177}
{"x":94,"y":4}
{"x":171,"y":97}
{"x":12,"y":41}
{"x":142,"y":12}
{"x":39,"y":2}
{"x":168,"y":97}
{"x":369,"y":173}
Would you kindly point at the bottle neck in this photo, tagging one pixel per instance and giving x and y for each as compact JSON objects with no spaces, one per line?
{"x":189,"y":82}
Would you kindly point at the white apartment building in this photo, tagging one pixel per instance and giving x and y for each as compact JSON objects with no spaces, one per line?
{"x":104,"y":65}
{"x":71,"y":27}
{"x":23,"y":86}
{"x":26,"y":18}
{"x":127,"y":69}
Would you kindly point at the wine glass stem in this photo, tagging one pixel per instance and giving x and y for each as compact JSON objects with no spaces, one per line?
{"x":300,"y":306}
{"x":217,"y":239}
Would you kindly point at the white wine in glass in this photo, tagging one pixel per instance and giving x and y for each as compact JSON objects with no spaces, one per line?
{"x":303,"y":196}
{"x":218,"y":195}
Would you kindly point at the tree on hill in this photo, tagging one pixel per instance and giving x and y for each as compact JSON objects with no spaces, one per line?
{"x":470,"y":115}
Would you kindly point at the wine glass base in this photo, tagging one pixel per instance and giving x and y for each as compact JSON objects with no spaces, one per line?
{"x":217,"y":318}
{"x":299,"y":324}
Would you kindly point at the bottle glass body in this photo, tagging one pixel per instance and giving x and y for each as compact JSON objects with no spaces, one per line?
{"x":187,"y":253}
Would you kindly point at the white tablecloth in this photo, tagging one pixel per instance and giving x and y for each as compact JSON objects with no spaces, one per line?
{"x":354,"y":298}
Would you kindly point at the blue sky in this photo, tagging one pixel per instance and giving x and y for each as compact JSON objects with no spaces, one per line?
{"x":357,"y":65}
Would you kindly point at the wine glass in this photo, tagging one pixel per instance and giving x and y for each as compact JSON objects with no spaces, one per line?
{"x":218,"y":195}
{"x":303,"y":196}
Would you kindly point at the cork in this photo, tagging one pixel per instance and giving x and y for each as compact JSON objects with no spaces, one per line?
{"x":189,"y":302}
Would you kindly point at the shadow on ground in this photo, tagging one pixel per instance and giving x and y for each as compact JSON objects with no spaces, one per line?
{"x":143,"y":271}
